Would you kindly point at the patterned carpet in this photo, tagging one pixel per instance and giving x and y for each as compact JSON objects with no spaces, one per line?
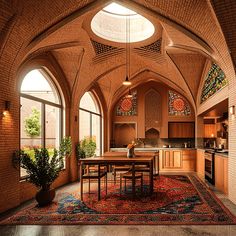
{"x":176,"y":200}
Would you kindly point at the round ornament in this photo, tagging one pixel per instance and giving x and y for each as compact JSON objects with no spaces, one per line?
{"x":178,"y":104}
{"x":126,"y":104}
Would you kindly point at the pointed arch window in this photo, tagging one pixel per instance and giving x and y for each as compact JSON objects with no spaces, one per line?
{"x":214,"y":81}
{"x":41,"y":114}
{"x":90,"y":121}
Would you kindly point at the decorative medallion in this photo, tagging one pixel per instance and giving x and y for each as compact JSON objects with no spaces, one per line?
{"x":127,"y":106}
{"x":214,"y":81}
{"x":178,"y":106}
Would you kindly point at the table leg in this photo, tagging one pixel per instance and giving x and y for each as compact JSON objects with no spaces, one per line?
{"x":151,"y":177}
{"x":133,"y":180}
{"x":81,"y":181}
{"x":99,"y":182}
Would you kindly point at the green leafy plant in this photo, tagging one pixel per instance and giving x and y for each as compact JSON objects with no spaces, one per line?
{"x":43,"y":169}
{"x":32,"y":123}
{"x":85,"y":148}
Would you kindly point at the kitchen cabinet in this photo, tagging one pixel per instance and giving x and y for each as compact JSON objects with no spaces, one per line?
{"x":221,"y":173}
{"x":172,"y":159}
{"x":177,"y":160}
{"x":209,"y":130}
{"x":200,"y":165}
{"x":181,"y":129}
{"x":189,"y":160}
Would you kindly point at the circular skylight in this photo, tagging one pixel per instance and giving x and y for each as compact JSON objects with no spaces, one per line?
{"x":120,"y":24}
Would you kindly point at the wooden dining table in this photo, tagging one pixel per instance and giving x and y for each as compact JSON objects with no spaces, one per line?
{"x":117,"y":160}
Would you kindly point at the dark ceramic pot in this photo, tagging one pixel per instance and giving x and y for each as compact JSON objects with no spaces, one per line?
{"x":45,"y":197}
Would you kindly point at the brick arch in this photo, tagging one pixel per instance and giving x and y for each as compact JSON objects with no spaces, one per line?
{"x":53,"y":70}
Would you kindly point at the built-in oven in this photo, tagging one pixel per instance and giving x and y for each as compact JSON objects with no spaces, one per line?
{"x":210,"y":166}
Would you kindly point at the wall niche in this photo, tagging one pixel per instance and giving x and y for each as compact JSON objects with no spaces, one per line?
{"x":123,"y":134}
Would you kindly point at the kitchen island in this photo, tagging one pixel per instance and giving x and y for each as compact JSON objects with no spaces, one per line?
{"x":174,"y":159}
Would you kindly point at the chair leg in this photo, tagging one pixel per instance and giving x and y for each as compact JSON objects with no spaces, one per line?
{"x":142,"y":183}
{"x":114,"y":176}
{"x":120,"y":185}
{"x":89,"y":186}
{"x":106,"y":183}
{"x":125,"y":185}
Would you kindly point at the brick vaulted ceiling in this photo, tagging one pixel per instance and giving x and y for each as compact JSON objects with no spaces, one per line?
{"x":187,"y":36}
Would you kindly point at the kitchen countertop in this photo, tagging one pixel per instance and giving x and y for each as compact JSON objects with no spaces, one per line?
{"x":222,"y":154}
{"x":219,"y":153}
{"x":150,"y":149}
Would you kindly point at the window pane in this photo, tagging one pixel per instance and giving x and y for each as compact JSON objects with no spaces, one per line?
{"x":31,"y":127}
{"x":87,"y":102}
{"x":84,"y":124}
{"x":52,"y":127}
{"x":96,"y":132}
{"x":36,"y":84}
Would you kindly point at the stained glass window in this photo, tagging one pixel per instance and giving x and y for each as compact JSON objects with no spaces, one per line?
{"x":127,"y":106}
{"x":178,"y":106}
{"x":214,"y":81}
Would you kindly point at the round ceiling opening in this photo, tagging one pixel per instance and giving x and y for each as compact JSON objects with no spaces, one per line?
{"x":120,"y":24}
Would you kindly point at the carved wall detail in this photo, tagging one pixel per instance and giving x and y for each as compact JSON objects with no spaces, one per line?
{"x":127,"y":106}
{"x":178,"y":105}
{"x":153,"y":112}
{"x":104,"y":51}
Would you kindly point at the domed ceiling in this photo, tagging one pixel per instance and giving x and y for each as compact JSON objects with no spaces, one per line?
{"x":89,"y":46}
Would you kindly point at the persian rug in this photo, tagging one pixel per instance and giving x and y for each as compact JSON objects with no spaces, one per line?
{"x":177,"y":199}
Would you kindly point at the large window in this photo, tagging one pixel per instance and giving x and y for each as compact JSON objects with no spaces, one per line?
{"x":41,"y":113}
{"x":90,"y":121}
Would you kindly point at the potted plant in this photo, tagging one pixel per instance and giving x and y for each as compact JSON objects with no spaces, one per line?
{"x":43,"y":169}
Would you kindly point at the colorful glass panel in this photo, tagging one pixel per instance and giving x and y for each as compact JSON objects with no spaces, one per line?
{"x":127,"y":106}
{"x":214,"y":81}
{"x":178,"y":106}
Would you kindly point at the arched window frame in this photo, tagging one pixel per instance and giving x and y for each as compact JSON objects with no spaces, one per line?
{"x":98,"y":114}
{"x":55,"y":88}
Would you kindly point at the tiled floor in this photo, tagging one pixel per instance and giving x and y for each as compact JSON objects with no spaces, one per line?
{"x":122,"y":230}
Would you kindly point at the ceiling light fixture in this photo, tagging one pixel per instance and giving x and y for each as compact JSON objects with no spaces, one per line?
{"x":127,"y":81}
{"x":129,"y":94}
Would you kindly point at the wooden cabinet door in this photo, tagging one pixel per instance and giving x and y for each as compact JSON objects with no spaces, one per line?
{"x":167,"y":159}
{"x":189,"y":160}
{"x":172,"y":159}
{"x":201,"y":163}
{"x":209,"y":130}
{"x":181,"y":129}
{"x":221,"y":173}
{"x":177,"y":159}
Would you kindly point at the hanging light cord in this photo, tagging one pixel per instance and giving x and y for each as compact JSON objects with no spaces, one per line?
{"x":126,"y":21}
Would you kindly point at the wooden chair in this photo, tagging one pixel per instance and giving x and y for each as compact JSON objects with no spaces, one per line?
{"x":118,"y":168}
{"x":143,"y":168}
{"x":98,"y":174}
{"x":129,"y":176}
